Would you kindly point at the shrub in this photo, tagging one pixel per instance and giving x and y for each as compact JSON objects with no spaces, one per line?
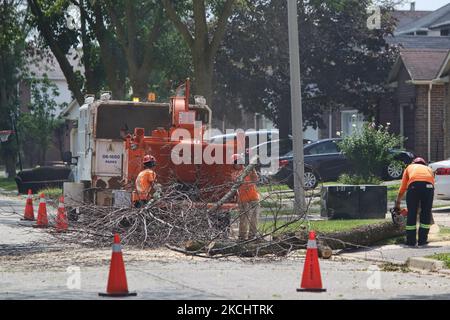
{"x":368,"y":151}
{"x":51,"y":193}
{"x":356,"y":179}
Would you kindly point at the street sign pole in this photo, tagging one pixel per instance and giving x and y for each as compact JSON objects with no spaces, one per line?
{"x":296,"y":107}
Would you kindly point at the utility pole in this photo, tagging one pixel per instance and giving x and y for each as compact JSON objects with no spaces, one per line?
{"x":296,"y":107}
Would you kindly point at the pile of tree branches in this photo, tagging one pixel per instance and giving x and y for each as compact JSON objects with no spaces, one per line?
{"x":173,"y":218}
{"x":183,"y":220}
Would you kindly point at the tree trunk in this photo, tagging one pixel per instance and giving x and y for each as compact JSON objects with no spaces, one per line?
{"x":111,"y":56}
{"x":203,"y":73}
{"x":354,"y":238}
{"x":10,"y":157}
{"x":60,"y":55}
{"x":114,"y":77}
{"x":139,"y":81}
{"x":203,"y":47}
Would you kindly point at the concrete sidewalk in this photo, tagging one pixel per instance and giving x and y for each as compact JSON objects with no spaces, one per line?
{"x":397,"y":254}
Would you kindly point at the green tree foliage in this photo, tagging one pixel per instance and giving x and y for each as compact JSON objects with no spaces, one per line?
{"x":148,"y":41}
{"x":37,"y":125}
{"x":343,"y":63}
{"x":122,"y":45}
{"x":13,"y":32}
{"x":74,"y":29}
{"x":369,"y":151}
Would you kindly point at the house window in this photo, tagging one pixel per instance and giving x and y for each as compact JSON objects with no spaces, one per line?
{"x":445,"y":32}
{"x":351,"y":121}
{"x":421,"y":33}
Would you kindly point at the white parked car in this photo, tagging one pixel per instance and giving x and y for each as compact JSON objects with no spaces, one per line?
{"x":442,"y":178}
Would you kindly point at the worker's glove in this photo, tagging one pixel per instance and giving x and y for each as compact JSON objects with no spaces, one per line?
{"x":158,"y":191}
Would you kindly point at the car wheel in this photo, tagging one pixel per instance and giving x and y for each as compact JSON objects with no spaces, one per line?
{"x":394,"y":171}
{"x":311,"y":180}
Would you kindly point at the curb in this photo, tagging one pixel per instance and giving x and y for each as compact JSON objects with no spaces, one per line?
{"x":425,"y":264}
{"x":4,"y":192}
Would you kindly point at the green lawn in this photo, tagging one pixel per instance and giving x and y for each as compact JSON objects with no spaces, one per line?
{"x":444,"y":230}
{"x":392,"y":192}
{"x":51,"y":193}
{"x":8,"y":184}
{"x":442,"y":257}
{"x":275,"y":187}
{"x":326,"y":226}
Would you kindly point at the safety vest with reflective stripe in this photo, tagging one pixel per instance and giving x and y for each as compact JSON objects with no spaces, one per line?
{"x":144,"y":183}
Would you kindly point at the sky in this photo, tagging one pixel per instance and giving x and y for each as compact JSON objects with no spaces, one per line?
{"x":425,"y":4}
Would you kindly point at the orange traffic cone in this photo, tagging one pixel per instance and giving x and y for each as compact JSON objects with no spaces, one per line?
{"x":117,"y":280}
{"x":311,"y":279}
{"x":42,"y":220}
{"x":61,"y":218}
{"x":29,"y":211}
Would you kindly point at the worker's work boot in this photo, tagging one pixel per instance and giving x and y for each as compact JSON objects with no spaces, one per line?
{"x":411,"y":238}
{"x":423,"y":236}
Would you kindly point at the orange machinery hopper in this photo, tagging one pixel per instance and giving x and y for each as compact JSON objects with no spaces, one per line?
{"x":214,"y":180}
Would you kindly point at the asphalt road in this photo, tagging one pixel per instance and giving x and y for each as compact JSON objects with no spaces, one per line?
{"x":29,"y":271}
{"x":227,"y":279}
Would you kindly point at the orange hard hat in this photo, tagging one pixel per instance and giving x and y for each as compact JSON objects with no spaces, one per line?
{"x":148,"y":158}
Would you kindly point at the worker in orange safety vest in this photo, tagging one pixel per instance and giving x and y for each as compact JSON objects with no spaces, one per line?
{"x":248,"y":200}
{"x":145,"y":182}
{"x":418,"y":180}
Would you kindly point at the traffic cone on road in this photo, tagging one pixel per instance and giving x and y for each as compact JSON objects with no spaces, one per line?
{"x":311,"y":279}
{"x":29,"y":211}
{"x":42,"y":219}
{"x":117,"y":280}
{"x":61,"y":218}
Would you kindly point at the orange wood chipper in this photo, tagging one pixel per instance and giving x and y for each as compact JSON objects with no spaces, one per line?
{"x":111,"y":138}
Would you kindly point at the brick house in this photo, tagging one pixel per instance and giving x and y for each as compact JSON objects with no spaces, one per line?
{"x":419,"y":82}
{"x":420,"y":110}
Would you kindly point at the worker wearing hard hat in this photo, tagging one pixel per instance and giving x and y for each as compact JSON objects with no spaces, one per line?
{"x":145,"y":182}
{"x":418,"y":180}
{"x":248,"y":200}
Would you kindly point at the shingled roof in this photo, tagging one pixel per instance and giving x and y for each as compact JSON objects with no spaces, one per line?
{"x":405,"y":17}
{"x":421,"y":64}
{"x":417,"y":42}
{"x":432,"y":20}
{"x":424,"y":64}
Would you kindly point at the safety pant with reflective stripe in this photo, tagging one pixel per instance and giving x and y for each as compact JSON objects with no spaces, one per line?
{"x":420,"y":195}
